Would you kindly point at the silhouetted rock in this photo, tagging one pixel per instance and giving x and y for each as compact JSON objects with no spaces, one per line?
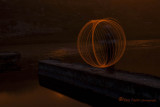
{"x":9,"y":61}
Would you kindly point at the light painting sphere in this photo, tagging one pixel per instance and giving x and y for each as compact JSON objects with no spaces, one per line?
{"x":101,"y":43}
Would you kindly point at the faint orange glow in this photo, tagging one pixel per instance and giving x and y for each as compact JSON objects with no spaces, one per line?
{"x":60,"y":52}
{"x":101,"y":43}
{"x":59,"y":95}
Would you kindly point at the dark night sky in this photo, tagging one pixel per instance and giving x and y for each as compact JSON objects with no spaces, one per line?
{"x":140,"y":19}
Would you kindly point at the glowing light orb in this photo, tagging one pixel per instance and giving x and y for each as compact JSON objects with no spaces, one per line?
{"x":101,"y":43}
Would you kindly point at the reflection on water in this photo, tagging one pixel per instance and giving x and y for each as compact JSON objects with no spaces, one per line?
{"x":144,"y":43}
{"x":62,"y":52}
{"x":141,"y":56}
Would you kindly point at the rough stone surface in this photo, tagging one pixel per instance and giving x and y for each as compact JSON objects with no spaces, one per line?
{"x":115,"y":85}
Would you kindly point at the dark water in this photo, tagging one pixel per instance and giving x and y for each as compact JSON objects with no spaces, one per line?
{"x":22,"y":89}
{"x":19,"y":90}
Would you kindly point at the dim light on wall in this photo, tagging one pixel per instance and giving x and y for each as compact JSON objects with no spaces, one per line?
{"x":101,"y":43}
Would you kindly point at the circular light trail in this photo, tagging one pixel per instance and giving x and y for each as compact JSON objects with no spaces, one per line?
{"x":101,"y":43}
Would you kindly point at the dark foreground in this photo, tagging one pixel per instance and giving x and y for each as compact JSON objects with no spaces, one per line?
{"x":99,"y":87}
{"x":21,"y":88}
{"x":87,"y":96}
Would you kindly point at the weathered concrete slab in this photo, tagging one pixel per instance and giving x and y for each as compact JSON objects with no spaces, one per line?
{"x":78,"y":93}
{"x":114,"y":85}
{"x":9,"y":61}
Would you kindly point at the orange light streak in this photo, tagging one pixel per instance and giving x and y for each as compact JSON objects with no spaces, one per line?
{"x":101,"y":43}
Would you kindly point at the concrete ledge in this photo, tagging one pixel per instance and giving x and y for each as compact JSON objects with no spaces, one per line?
{"x":113,"y":85}
{"x":81,"y":94}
